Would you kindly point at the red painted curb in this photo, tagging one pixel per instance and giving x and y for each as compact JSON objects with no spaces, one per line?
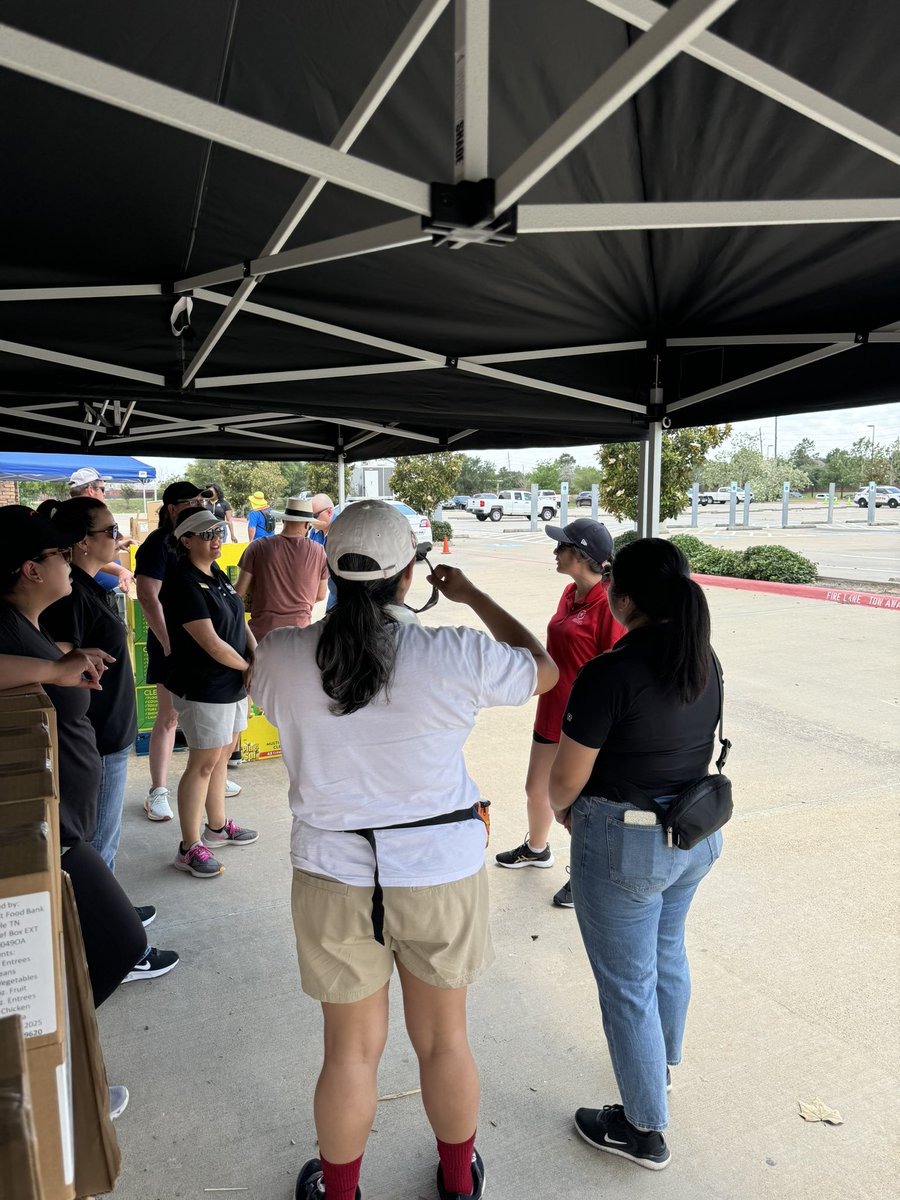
{"x":804,"y":591}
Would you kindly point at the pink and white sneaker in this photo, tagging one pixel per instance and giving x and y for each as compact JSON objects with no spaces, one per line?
{"x":198,"y":861}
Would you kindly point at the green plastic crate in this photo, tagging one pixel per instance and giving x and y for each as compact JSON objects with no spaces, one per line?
{"x":147,"y":707}
{"x":137,"y":622}
{"x":140,"y":663}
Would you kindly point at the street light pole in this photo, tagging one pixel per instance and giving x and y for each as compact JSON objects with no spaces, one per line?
{"x":872,"y":427}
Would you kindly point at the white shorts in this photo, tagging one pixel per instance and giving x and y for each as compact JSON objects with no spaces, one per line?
{"x":208,"y":726}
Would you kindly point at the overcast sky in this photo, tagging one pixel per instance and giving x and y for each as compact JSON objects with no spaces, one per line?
{"x":840,"y":428}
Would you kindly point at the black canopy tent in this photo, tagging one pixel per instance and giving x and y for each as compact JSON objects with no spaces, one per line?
{"x":402,"y":227}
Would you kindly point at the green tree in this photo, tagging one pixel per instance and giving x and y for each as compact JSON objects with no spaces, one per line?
{"x":203,"y":471}
{"x":584,"y":478}
{"x":872,"y":461}
{"x":240,"y":477}
{"x":323,"y":477}
{"x":296,"y":475}
{"x":684,"y":451}
{"x":424,"y":480}
{"x":475,"y":475}
{"x":745,"y":464}
{"x":805,"y":457}
{"x":507,"y":478}
{"x":841,"y":469}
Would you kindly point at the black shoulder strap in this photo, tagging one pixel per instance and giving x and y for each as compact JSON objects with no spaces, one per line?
{"x":723,"y":741}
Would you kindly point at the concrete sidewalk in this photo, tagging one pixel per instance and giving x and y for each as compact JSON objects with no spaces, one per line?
{"x":793,"y":939}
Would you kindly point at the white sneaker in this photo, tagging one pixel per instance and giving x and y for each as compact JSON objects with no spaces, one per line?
{"x":156,"y":806}
{"x":118,"y":1100}
{"x":232,"y":789}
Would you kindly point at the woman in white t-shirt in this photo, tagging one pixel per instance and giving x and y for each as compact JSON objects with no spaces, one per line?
{"x":389,"y":831}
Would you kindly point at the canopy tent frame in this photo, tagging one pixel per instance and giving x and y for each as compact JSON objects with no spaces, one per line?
{"x":497,"y":215}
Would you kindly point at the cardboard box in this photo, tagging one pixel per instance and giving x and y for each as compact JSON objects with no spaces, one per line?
{"x":32,"y":979}
{"x":97,"y":1158}
{"x":19,"y":1171}
{"x":140,"y":664}
{"x":260,"y":739}
{"x":140,"y":526}
{"x":137,"y":622}
{"x":147,"y":706}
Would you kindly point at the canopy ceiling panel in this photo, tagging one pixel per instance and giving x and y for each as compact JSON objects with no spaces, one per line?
{"x":698,"y":223}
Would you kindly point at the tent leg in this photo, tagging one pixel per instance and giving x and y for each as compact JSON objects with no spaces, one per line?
{"x":340,"y":488}
{"x":649,"y":479}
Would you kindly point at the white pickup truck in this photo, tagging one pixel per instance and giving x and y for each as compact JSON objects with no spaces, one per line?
{"x":721,"y":495}
{"x":514,"y":504}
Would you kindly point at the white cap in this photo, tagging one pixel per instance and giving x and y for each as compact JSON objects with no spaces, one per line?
{"x":375,"y":529}
{"x":197,"y":520}
{"x":84,"y":476}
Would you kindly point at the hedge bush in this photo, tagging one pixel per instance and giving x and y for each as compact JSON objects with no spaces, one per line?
{"x":441,"y":530}
{"x":777,"y":565}
{"x":624,"y":539}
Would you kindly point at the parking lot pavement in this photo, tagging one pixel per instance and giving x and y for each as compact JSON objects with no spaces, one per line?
{"x":848,"y":550}
{"x":793,"y":939}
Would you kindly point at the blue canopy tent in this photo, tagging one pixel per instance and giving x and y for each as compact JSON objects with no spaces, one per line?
{"x":60,"y":466}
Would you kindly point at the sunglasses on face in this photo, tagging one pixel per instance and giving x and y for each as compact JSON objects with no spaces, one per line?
{"x":323,"y":510}
{"x":111,"y":531}
{"x":435,"y":594}
{"x":208,"y":535}
{"x":64,"y":552}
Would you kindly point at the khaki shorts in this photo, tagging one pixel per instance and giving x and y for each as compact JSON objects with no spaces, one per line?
{"x":441,"y":935}
{"x":207,"y":726}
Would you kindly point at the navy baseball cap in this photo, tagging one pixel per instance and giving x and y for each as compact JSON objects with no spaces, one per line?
{"x":590,"y":536}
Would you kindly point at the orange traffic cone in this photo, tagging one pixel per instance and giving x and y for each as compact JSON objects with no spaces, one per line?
{"x":446,"y":549}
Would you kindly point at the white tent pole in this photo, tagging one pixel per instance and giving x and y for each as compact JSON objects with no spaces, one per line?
{"x":555,"y":352}
{"x":627,"y":75}
{"x":746,"y":380}
{"x":45,"y":437}
{"x":337,"y":331}
{"x":458,"y":437}
{"x":42,"y":418}
{"x":650,"y":475}
{"x":366,"y":437}
{"x":777,"y":85}
{"x":341,"y":488}
{"x":471,"y":63}
{"x":81,"y":293}
{"x":84,"y":364}
{"x":209,"y":381}
{"x":407,"y":44}
{"x":541,"y":385}
{"x":90,"y":77}
{"x":712,"y":214}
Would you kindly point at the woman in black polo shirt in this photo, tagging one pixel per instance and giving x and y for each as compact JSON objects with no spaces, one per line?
{"x":211,"y":652}
{"x":34,"y":573}
{"x":639,"y":725}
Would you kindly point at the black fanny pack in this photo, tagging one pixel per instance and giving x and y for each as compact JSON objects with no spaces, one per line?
{"x":704,"y":805}
{"x":477,"y":812}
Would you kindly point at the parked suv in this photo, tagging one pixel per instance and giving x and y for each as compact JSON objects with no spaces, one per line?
{"x":583,"y":500}
{"x":883,"y":495}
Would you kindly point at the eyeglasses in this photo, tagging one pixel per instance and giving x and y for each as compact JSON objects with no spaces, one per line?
{"x":112,"y":531}
{"x":208,"y":535}
{"x":323,"y":510}
{"x":64,"y":552}
{"x":100,"y":487}
{"x":435,"y":594}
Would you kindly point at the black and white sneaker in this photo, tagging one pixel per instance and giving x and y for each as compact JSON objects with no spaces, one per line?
{"x":309,"y":1182}
{"x":152,"y":965}
{"x":524,"y":856}
{"x":563,"y":898}
{"x":477,"y":1182}
{"x":609,"y":1129}
{"x":147,"y":913}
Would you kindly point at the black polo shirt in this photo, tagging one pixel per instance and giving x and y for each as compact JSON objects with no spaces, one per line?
{"x":79,"y":761}
{"x":647,"y":738}
{"x":189,"y":595}
{"x":153,"y":558}
{"x":88,"y":617}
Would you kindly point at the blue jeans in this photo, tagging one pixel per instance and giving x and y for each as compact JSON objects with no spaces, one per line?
{"x":632,"y":893}
{"x":110,"y":802}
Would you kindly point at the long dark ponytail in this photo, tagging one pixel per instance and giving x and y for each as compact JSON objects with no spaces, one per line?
{"x":657,"y":578}
{"x":357,"y":648}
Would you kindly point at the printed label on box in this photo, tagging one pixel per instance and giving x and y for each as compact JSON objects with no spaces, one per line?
{"x":27,"y":984}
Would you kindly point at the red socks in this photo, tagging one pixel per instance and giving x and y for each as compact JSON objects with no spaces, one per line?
{"x":340,"y":1179}
{"x":456,"y":1165}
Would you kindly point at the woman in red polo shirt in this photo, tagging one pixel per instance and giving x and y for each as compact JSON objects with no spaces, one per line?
{"x":581,"y":628}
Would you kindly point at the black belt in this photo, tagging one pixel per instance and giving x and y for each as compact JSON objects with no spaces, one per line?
{"x":477,"y":812}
